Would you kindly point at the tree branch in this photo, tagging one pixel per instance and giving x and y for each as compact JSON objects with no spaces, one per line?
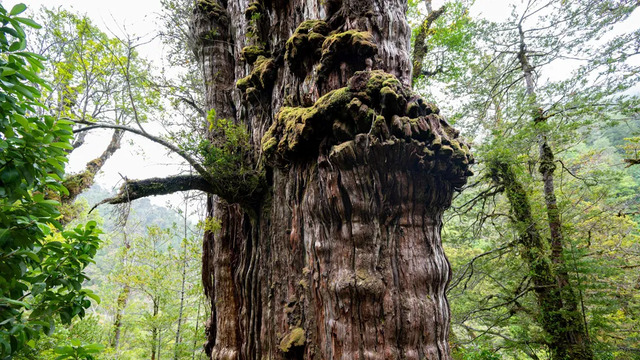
{"x":233,"y":188}
{"x":631,"y":162}
{"x":193,"y":104}
{"x":193,"y":162}
{"x":420,"y":45}
{"x":77,"y":183}
{"x":136,"y":189}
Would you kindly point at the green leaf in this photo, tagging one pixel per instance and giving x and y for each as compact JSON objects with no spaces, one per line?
{"x":62,"y":145}
{"x":55,"y":163}
{"x":17,"y":9}
{"x":18,"y":45}
{"x":38,"y":288}
{"x":22,"y":121}
{"x":4,"y":234}
{"x":68,"y":350}
{"x":15,"y":303}
{"x":7,"y":71}
{"x":92,"y":295}
{"x":28,"y":22}
{"x":32,"y":256}
{"x":94,"y":348}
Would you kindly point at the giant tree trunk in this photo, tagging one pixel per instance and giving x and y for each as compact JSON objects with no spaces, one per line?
{"x":340,"y":258}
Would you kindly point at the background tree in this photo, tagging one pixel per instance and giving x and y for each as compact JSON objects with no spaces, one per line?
{"x":94,"y":77}
{"x":517,"y":107}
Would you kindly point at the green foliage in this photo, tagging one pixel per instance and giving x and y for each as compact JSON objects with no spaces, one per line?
{"x":209,"y":225}
{"x":76,"y":351}
{"x":585,"y":111}
{"x":41,"y":272}
{"x":450,"y":41}
{"x":476,"y":355}
{"x":227,"y":153}
{"x":94,"y":76}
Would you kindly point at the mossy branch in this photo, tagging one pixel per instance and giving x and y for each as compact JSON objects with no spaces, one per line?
{"x":137,"y":189}
{"x":420,"y":45}
{"x":77,"y":183}
{"x":232,"y":188}
{"x":631,"y":162}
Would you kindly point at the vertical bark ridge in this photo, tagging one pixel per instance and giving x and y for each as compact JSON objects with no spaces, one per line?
{"x":211,"y":30}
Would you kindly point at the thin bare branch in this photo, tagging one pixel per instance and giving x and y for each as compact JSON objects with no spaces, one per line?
{"x":191,"y":160}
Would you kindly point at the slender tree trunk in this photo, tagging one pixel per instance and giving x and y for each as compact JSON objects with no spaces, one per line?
{"x":182,"y":285}
{"x":420,"y":48}
{"x":195,"y":337}
{"x":117,"y":323}
{"x":563,"y":325}
{"x":123,"y":297}
{"x":180,"y":312}
{"x":577,"y":337}
{"x":154,"y":331}
{"x":159,"y":342}
{"x":571,"y":340}
{"x":341,"y":257}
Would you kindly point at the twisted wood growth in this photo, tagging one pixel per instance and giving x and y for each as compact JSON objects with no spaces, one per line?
{"x":340,"y":256}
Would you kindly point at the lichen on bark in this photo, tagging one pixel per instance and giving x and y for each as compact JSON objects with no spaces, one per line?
{"x":294,"y":338}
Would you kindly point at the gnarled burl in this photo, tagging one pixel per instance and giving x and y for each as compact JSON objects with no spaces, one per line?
{"x":340,"y":257}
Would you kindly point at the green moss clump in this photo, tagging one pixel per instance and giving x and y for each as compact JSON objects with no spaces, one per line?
{"x":309,"y":26}
{"x":296,"y":127}
{"x":352,"y":47}
{"x":261,"y":77}
{"x":77,"y":183}
{"x":213,"y":8}
{"x":445,"y":150}
{"x":436,"y":143}
{"x":251,"y":53}
{"x":253,"y":9}
{"x":305,"y":44}
{"x":296,"y":337}
{"x":269,"y":144}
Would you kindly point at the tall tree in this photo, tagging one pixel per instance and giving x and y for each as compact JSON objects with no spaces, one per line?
{"x":331,"y":177}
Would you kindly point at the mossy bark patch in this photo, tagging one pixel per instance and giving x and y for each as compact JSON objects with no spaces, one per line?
{"x":213,"y":8}
{"x":294,"y":338}
{"x":304,"y":47}
{"x":251,"y":53}
{"x":261,"y":77}
{"x":352,"y":47}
